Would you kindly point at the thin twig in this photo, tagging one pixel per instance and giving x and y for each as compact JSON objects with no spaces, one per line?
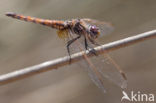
{"x":54,"y":64}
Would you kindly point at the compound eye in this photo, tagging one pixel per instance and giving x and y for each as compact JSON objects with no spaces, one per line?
{"x":94,"y":31}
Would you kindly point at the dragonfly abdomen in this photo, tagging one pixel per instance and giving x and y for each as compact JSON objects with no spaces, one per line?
{"x":52,"y":23}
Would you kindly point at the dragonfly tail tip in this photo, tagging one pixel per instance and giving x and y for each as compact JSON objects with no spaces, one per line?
{"x":10,"y":14}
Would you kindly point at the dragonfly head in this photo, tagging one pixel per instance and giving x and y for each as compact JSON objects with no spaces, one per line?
{"x":94,"y":31}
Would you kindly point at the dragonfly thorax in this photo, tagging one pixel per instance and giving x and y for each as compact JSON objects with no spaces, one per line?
{"x":78,"y":28}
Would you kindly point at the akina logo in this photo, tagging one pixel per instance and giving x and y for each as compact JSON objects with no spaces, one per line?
{"x":137,"y":96}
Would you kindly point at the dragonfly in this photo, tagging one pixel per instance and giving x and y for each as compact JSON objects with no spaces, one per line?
{"x":81,"y":35}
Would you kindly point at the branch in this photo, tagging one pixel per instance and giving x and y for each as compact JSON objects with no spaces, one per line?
{"x":54,"y":64}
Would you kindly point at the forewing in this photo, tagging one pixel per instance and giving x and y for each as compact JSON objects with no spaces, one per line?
{"x":95,"y":76}
{"x":99,"y":67}
{"x":105,"y":28}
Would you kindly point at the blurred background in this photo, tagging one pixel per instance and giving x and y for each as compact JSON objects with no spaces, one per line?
{"x":25,"y":44}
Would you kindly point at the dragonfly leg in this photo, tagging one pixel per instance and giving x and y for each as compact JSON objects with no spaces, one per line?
{"x":92,"y":50}
{"x":68,"y":45}
{"x":86,"y":44}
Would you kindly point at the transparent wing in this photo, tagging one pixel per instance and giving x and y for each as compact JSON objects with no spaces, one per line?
{"x":105,"y":28}
{"x":99,"y":67}
{"x":109,"y":69}
{"x":93,"y":73}
{"x":95,"y":76}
